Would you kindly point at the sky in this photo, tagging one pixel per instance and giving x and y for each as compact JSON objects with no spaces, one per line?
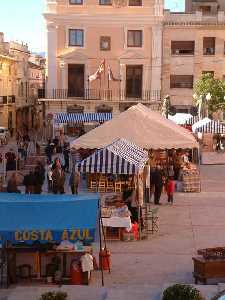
{"x":22,"y":20}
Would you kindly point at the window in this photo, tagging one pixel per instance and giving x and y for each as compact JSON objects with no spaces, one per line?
{"x":135,"y":2}
{"x":105,"y":2}
{"x":206,"y":10}
{"x":182,"y":47}
{"x":208,"y":72}
{"x":76,"y":2}
{"x":181,"y":81}
{"x":134,"y":38}
{"x":76,"y":37}
{"x":209,"y":45}
{"x":105,"y":43}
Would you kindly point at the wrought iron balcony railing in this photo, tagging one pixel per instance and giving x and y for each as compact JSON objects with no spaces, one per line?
{"x":102,"y":94}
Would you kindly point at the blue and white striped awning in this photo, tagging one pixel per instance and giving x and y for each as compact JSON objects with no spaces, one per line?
{"x":120,"y":157}
{"x":214,"y":127}
{"x":192,"y":120}
{"x":63,"y":118}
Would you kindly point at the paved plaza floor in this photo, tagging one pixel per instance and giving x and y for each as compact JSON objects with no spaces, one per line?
{"x":140,"y":270}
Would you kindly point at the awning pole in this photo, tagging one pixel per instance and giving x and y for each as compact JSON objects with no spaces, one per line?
{"x":100,"y":244}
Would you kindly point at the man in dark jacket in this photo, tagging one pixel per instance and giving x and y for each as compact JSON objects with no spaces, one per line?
{"x":158,"y":183}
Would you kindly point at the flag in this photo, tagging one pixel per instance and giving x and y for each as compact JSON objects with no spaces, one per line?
{"x":111,"y":76}
{"x":97,"y":74}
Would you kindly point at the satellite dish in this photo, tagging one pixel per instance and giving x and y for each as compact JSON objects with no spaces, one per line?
{"x":194,"y":111}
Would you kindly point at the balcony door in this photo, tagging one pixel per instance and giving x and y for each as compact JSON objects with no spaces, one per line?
{"x":134,"y":76}
{"x":75,"y":80}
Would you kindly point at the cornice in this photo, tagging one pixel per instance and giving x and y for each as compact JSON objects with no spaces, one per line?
{"x":105,"y":19}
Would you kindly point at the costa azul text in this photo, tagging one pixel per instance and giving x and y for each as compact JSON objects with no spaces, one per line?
{"x":49,"y":235}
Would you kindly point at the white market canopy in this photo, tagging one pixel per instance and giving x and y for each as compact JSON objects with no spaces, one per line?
{"x":121,"y":157}
{"x":143,"y":127}
{"x":180,"y":118}
{"x":200,"y":124}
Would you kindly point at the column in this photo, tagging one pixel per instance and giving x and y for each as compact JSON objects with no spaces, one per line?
{"x":156,"y":72}
{"x":52,"y":58}
{"x":123,"y":80}
{"x":63,"y":75}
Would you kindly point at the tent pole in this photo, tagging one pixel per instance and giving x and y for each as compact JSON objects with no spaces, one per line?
{"x":139,"y":208}
{"x":100,"y":244}
{"x":105,"y":242}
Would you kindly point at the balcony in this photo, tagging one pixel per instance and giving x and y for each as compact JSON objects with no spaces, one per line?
{"x":100,"y":95}
{"x":197,"y":18}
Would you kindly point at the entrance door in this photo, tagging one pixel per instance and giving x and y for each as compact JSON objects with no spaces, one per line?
{"x":75,"y":80}
{"x":134,"y":81}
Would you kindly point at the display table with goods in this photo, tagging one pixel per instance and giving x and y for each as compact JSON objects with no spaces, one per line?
{"x":191,"y":178}
{"x":116,"y":221}
{"x":211,"y":264}
{"x":48,"y":238}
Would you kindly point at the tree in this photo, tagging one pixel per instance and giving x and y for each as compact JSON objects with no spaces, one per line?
{"x":208,"y":85}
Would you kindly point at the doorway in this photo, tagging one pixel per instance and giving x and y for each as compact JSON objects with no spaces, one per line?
{"x":134,"y":81}
{"x":75,"y":80}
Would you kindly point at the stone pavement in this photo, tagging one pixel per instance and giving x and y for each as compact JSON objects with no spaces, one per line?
{"x":140,"y":270}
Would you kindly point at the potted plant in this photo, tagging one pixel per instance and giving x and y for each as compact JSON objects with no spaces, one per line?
{"x":181,"y":292}
{"x":54,"y":296}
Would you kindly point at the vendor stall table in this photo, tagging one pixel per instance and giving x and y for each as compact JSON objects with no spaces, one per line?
{"x":118,"y":224}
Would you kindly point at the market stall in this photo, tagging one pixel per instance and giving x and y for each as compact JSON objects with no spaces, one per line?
{"x":47,"y":238}
{"x":76,"y":124}
{"x":116,"y":168}
{"x":148,"y":130}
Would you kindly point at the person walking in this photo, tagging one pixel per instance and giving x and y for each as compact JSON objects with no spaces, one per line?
{"x":12,"y":184}
{"x":170,"y":189}
{"x":58,"y":178}
{"x":49,"y":174}
{"x":10,"y":160}
{"x":66,"y":152}
{"x":74,"y":181}
{"x":29,"y":182}
{"x":158,"y":183}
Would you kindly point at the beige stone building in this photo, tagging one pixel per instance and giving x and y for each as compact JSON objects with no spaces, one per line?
{"x":127,"y":35}
{"x":21,"y":75}
{"x":193,"y":43}
{"x":7,"y":85}
{"x":151,"y":51}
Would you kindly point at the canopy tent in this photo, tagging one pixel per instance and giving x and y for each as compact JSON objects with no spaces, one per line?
{"x":180,"y":118}
{"x":214,"y":127}
{"x":140,"y":125}
{"x":200,"y":123}
{"x":47,"y":218}
{"x":63,"y":118}
{"x":120,"y":157}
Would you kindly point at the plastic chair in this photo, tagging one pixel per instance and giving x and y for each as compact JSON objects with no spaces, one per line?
{"x":93,"y":186}
{"x":110,"y":186}
{"x":153,"y":217}
{"x":118,"y":187}
{"x":101,"y":186}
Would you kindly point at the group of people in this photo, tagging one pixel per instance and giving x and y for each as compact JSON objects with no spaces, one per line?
{"x":159,"y":181}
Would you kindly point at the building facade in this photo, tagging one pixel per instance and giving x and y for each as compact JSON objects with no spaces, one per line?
{"x":149,"y":52}
{"x":20,"y":80}
{"x":7,"y":86}
{"x":125,"y":36}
